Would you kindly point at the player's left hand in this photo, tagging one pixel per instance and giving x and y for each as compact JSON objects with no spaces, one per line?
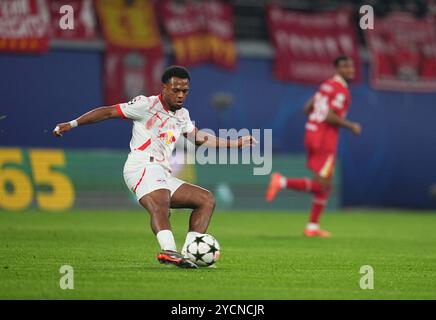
{"x":356,"y":129}
{"x":246,"y":141}
{"x":61,"y":128}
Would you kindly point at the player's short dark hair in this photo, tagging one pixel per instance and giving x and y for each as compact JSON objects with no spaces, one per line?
{"x":339,"y":59}
{"x":175,"y":71}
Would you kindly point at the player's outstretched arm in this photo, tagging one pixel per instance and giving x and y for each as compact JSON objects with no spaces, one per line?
{"x":93,"y":116}
{"x":334,"y":119}
{"x":199,"y":137}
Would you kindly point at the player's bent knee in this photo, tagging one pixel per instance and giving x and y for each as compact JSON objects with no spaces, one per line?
{"x":207,"y":200}
{"x":326,"y":186}
{"x":325,"y":183}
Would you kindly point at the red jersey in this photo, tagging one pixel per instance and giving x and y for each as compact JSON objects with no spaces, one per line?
{"x":333,"y":94}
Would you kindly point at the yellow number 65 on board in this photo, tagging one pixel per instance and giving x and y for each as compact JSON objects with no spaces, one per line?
{"x":21,"y":189}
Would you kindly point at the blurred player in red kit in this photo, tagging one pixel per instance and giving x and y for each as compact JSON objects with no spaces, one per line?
{"x":326,"y":112}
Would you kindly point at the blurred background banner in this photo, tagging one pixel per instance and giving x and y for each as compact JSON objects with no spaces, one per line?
{"x":403,"y":53}
{"x":85,"y":24}
{"x":306,"y":43}
{"x":200,"y":32}
{"x":55,"y":180}
{"x":24,"y":26}
{"x":134,"y":53}
{"x":129,"y":73}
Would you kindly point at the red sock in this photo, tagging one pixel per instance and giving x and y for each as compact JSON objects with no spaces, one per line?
{"x":303,"y":184}
{"x":319,"y":203}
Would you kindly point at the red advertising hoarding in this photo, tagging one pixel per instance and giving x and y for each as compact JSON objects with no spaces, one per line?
{"x":307,"y":43}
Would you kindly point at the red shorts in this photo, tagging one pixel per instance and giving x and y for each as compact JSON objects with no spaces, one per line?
{"x":321,"y":162}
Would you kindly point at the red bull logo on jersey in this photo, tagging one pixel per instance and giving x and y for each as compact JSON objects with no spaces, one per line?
{"x":168,"y":137}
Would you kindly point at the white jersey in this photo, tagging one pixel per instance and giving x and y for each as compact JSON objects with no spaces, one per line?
{"x":155,"y":128}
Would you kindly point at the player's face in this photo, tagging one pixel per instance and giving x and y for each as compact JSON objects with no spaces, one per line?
{"x":175,"y":92}
{"x":346,"y":69}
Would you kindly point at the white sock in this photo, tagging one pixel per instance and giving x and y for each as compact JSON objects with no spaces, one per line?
{"x":189,"y":237}
{"x":312,"y":226}
{"x":283,"y":182}
{"x":166,"y":240}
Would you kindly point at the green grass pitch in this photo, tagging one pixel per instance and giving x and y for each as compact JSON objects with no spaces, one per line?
{"x":264,"y":256}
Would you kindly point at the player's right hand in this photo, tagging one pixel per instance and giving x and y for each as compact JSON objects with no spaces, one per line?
{"x":356,"y":128}
{"x":61,"y":128}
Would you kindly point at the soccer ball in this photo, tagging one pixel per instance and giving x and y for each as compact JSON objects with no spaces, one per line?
{"x":204,"y":250}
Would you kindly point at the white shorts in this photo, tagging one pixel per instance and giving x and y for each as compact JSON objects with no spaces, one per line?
{"x":147,"y":178}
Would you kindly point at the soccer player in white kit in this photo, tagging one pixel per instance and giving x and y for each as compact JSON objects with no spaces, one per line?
{"x":158,"y":121}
